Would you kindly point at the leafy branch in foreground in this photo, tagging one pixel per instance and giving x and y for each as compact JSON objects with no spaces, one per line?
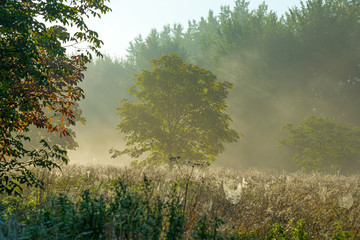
{"x":39,"y":81}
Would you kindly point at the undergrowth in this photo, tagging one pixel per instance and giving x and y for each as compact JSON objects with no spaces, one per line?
{"x":159,"y":203}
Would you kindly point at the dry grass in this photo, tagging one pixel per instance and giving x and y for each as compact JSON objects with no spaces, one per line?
{"x":246,"y":200}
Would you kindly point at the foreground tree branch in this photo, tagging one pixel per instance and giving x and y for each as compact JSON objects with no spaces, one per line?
{"x":39,"y":81}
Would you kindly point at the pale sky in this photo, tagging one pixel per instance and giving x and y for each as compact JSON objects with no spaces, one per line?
{"x":130,"y":18}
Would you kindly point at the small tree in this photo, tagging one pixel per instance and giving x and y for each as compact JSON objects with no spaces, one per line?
{"x":180,"y":111}
{"x":324,"y":144}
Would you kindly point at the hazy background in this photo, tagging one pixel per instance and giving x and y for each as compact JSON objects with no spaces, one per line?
{"x":284,"y":68}
{"x":117,"y":29}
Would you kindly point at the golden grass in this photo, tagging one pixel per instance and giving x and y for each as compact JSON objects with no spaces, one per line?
{"x":246,"y":200}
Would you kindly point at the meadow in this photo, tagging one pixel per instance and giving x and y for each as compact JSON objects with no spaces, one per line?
{"x":183,"y":202}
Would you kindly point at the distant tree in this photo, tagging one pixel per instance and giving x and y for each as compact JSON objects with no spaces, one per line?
{"x":39,"y":80}
{"x":156,"y":44}
{"x":179,"y":111}
{"x":324,"y":145}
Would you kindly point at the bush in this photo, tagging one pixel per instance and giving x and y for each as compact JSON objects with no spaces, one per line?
{"x":323,"y":144}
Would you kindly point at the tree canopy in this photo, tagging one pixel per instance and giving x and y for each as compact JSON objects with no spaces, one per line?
{"x":39,"y":80}
{"x":180,"y":110}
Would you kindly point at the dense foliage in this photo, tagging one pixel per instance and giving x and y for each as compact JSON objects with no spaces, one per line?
{"x":39,"y":81}
{"x":179,"y":111}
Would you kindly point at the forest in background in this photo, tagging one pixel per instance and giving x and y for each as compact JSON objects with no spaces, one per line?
{"x":284,"y":69}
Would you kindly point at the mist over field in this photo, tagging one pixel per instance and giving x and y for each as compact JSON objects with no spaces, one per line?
{"x":283,"y":69}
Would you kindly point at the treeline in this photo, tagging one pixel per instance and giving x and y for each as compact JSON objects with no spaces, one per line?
{"x":284,"y":68}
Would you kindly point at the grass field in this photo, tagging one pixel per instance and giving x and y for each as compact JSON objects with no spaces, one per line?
{"x":95,"y":202}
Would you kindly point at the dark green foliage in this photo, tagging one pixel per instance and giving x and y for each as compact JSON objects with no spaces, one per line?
{"x":134,"y":217}
{"x":176,"y":220}
{"x":62,"y":219}
{"x":340,"y":234}
{"x":324,"y":144}
{"x":128,"y":215}
{"x":207,"y":228}
{"x":294,"y":231}
{"x":140,"y":217}
{"x":92,"y":216}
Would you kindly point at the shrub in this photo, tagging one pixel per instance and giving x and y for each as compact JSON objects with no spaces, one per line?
{"x":324,"y":144}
